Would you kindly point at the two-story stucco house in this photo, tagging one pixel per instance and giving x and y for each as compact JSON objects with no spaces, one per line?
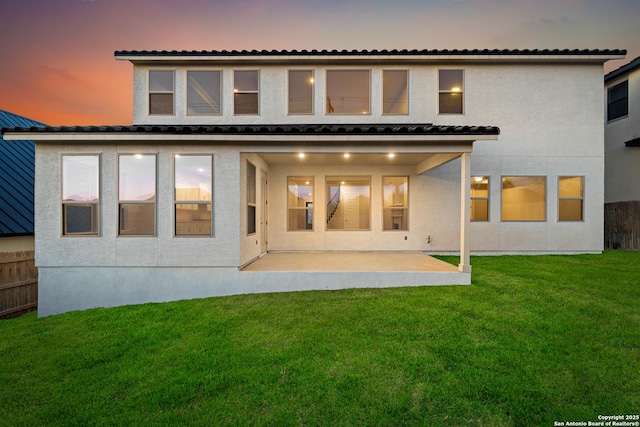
{"x":264,"y":171}
{"x":622,"y":157}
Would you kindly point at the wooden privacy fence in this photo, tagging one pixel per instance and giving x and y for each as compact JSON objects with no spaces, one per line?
{"x":18,"y":283}
{"x":622,"y":225}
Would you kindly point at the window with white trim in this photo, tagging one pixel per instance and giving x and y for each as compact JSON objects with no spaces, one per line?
{"x":395,"y":203}
{"x":80,"y":195}
{"x":450,"y":91}
{"x":348,"y":92}
{"x":300,"y":203}
{"x":480,"y":198}
{"x":570,"y":198}
{"x":246,"y":89}
{"x":348,"y":202}
{"x":395,"y":92}
{"x":251,"y":198}
{"x":161,"y":84}
{"x":203,"y":92}
{"x":524,"y":198}
{"x":301,"y":86}
{"x":137,"y":194}
{"x":192,"y":195}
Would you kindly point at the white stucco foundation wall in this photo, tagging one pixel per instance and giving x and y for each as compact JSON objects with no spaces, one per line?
{"x":78,"y":288}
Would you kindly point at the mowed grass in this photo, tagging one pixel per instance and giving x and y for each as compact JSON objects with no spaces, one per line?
{"x":534,"y":339}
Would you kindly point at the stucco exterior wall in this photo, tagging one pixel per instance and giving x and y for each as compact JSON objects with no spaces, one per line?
{"x":108,"y":249}
{"x":622,"y":162}
{"x":434,"y":206}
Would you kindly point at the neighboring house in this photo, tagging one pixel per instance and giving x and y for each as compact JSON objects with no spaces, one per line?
{"x":622,"y":157}
{"x":17,"y":164}
{"x":264,"y":171}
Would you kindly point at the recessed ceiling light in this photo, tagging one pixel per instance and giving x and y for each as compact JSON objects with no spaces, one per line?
{"x":346,"y":155}
{"x":478,"y":178}
{"x":391,"y":155}
{"x":301,"y":155}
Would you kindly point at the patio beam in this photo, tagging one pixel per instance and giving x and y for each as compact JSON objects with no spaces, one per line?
{"x":434,"y":161}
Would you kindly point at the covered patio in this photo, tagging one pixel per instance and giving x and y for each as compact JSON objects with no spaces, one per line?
{"x":349,"y":262}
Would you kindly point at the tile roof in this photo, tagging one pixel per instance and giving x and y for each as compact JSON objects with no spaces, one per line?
{"x":334,"y":52}
{"x":624,"y":70}
{"x":16,"y":179}
{"x":304,"y":129}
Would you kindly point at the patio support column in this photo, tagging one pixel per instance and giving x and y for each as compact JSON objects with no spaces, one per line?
{"x":465,"y":212}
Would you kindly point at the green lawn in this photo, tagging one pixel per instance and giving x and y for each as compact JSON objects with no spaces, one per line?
{"x":534,"y":339}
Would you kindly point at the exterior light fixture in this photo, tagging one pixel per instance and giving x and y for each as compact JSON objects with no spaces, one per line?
{"x":346,"y":155}
{"x":138,"y":156}
{"x":301,"y":155}
{"x":391,"y":155}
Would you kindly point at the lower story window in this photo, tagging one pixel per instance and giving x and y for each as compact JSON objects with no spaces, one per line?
{"x":300,"y":203}
{"x":192,"y":192}
{"x":571,"y":198}
{"x":348,"y":203}
{"x":251,"y":198}
{"x":395,"y":204}
{"x":480,"y":198}
{"x":137,"y":194}
{"x":524,"y":198}
{"x":80,"y":200}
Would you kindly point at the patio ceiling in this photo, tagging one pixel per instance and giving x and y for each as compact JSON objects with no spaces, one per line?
{"x":339,"y":158}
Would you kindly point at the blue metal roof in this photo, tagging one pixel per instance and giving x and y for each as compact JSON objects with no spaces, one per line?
{"x":17,"y":171}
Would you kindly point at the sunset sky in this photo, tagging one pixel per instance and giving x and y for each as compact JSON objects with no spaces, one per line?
{"x":57,"y":64}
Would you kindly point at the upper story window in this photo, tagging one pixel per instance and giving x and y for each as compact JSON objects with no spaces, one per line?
{"x":203,"y":93}
{"x":480,"y":198}
{"x":246,"y":87}
{"x":450,"y":91}
{"x":301,"y":83}
{"x":348,"y":92}
{"x":618,"y":100}
{"x":80,"y":195}
{"x":137,"y":194}
{"x":161,"y":84}
{"x":395,"y":92}
{"x":524,"y":198}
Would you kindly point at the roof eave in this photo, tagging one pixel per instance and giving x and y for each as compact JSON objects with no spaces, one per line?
{"x":73,"y":138}
{"x":359,"y":58}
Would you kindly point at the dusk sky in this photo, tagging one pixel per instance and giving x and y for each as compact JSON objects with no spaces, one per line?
{"x":57,"y":64}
